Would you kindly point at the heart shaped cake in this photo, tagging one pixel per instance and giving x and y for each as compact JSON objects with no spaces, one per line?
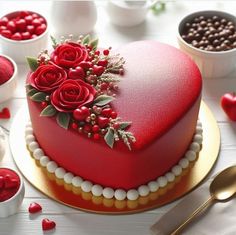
{"x":158,"y":96}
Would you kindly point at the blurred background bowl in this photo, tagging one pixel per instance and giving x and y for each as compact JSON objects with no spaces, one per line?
{"x":212,"y":64}
{"x":19,"y":50}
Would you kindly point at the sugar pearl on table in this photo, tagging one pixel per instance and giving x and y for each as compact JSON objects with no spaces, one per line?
{"x":195,"y":146}
{"x":33,"y":145}
{"x":198,"y":138}
{"x":199,"y":130}
{"x":44,"y":161}
{"x":29,"y":131}
{"x":120,"y":194}
{"x":38,"y":153}
{"x":184,"y":163}
{"x":190,"y":155}
{"x":170,"y":176}
{"x":86,"y":186}
{"x":199,"y":123}
{"x":52,"y":166}
{"x":143,"y":190}
{"x":153,"y":186}
{"x":132,"y":194}
{"x":29,"y":138}
{"x":77,"y":181}
{"x":176,"y":170}
{"x":68,"y":177}
{"x":108,"y":193}
{"x":162,"y":181}
{"x":97,"y":190}
{"x":29,"y":124}
{"x":60,"y":172}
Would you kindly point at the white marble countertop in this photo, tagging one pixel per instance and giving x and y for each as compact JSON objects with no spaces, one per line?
{"x":161,"y":27}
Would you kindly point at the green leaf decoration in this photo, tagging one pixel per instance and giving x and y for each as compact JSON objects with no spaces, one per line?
{"x":33,"y":63}
{"x":28,"y":87}
{"x":109,"y":137}
{"x":103,"y":100}
{"x":31,"y":92}
{"x":63,"y":120}
{"x":49,"y":111}
{"x":86,"y":39}
{"x":39,"y":97}
{"x":94,"y":44}
{"x":124,"y":125}
{"x":54,"y":42}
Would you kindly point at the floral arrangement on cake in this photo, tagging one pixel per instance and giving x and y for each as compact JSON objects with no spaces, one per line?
{"x":76,"y":83}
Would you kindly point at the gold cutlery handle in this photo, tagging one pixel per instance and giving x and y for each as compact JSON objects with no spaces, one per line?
{"x":193,"y":215}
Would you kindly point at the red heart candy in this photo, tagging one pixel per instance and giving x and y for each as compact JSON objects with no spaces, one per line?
{"x":228,"y":103}
{"x":103,"y":63}
{"x":34,"y":208}
{"x":5,"y":113}
{"x":85,"y":65}
{"x":10,"y":182}
{"x":103,"y":121}
{"x":1,"y":182}
{"x":77,"y":73}
{"x":98,"y":70}
{"x":106,"y":112}
{"x":48,"y":224}
{"x":81,"y":114}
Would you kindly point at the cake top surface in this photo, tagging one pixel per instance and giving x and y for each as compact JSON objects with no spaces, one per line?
{"x":159,"y":85}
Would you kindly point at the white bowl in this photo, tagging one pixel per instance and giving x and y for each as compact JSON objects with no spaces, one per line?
{"x":19,"y":50}
{"x":2,"y":144}
{"x":7,"y":88}
{"x":212,"y":64}
{"x":127,"y":14}
{"x":11,"y":206}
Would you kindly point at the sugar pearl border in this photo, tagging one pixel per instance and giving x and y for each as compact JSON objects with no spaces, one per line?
{"x":118,"y":194}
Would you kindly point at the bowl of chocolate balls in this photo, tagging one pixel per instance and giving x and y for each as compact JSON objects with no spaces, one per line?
{"x":209,"y":37}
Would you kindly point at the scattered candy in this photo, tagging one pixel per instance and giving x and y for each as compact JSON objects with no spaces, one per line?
{"x":48,"y":224}
{"x":5,"y":113}
{"x":228,"y":104}
{"x":34,"y":208}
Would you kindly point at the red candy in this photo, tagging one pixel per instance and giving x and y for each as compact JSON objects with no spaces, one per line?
{"x":24,"y":26}
{"x":48,"y":224}
{"x":34,"y":208}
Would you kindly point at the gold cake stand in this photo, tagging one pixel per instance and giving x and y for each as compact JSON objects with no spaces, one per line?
{"x":68,"y":195}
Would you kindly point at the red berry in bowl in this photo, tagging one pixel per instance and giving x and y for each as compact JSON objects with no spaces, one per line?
{"x":24,"y":14}
{"x":6,"y":33}
{"x":11,"y":26}
{"x":42,"y":20}
{"x":35,"y":15}
{"x":16,"y":36}
{"x":2,"y":28}
{"x":25,"y":35}
{"x":4,"y":21}
{"x":40,"y":29}
{"x":36,"y":22}
{"x":28,"y":19}
{"x":30,"y":29}
{"x":21,"y":25}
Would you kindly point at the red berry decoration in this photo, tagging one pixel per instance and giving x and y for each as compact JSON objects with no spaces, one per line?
{"x":87,"y":127}
{"x":96,"y":136}
{"x":21,"y":25}
{"x":74,"y":125}
{"x":106,"y":112}
{"x":95,"y":128}
{"x":103,"y":121}
{"x":11,"y":26}
{"x":25,"y":35}
{"x":103,"y":63}
{"x":30,"y":29}
{"x":116,"y":125}
{"x":4,"y":21}
{"x":40,"y":29}
{"x":228,"y":104}
{"x":44,"y":104}
{"x":28,"y":19}
{"x":81,"y":114}
{"x":113,"y":114}
{"x":77,"y":73}
{"x":34,"y":208}
{"x":48,"y":224}
{"x":98,"y":70}
{"x":85,"y":65}
{"x":106,"y":52}
{"x":6,"y":33}
{"x":16,"y":36}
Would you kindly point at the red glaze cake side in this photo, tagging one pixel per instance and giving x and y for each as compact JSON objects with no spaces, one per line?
{"x":160,"y":93}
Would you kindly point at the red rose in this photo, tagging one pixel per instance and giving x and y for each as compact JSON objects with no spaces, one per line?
{"x":69,"y":55}
{"x":47,"y":78}
{"x":72,"y":94}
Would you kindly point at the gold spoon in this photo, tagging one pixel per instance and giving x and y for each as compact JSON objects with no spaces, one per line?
{"x":222,"y":189}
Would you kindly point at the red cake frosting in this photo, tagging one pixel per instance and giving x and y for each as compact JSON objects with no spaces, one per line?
{"x":160,"y":93}
{"x":9,"y":184}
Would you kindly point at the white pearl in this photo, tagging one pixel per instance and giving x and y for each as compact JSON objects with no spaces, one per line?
{"x":29,"y":139}
{"x":176,"y":170}
{"x":28,"y":124}
{"x":77,"y":181}
{"x":191,"y":155}
{"x":198,"y":130}
{"x":44,"y":161}
{"x":195,"y":147}
{"x":199,"y":123}
{"x":197,"y":138}
{"x":29,"y":131}
{"x":38,"y":153}
{"x":108,"y":193}
{"x":143,"y":190}
{"x":132,"y":194}
{"x":33,"y":145}
{"x":52,"y":166}
{"x":162,"y":181}
{"x":153,"y":186}
{"x":120,"y":194}
{"x":184,"y":163}
{"x":86,"y":186}
{"x":170,"y":176}
{"x":68,"y":177}
{"x":97,"y":190}
{"x":60,"y":172}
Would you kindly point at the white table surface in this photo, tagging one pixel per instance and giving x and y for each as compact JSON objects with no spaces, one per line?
{"x":160,"y":27}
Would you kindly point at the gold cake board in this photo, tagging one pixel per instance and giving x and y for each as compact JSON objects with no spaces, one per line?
{"x":68,"y":195}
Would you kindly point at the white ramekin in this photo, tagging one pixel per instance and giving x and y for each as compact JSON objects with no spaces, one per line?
{"x":7,"y":88}
{"x":11,"y":206}
{"x":211,"y":64}
{"x":19,"y":50}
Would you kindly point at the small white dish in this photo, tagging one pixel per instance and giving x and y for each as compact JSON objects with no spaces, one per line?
{"x":11,"y":206}
{"x":7,"y":89}
{"x":2,"y":144}
{"x":19,"y":50}
{"x":212,"y":64}
{"x":128,"y":13}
